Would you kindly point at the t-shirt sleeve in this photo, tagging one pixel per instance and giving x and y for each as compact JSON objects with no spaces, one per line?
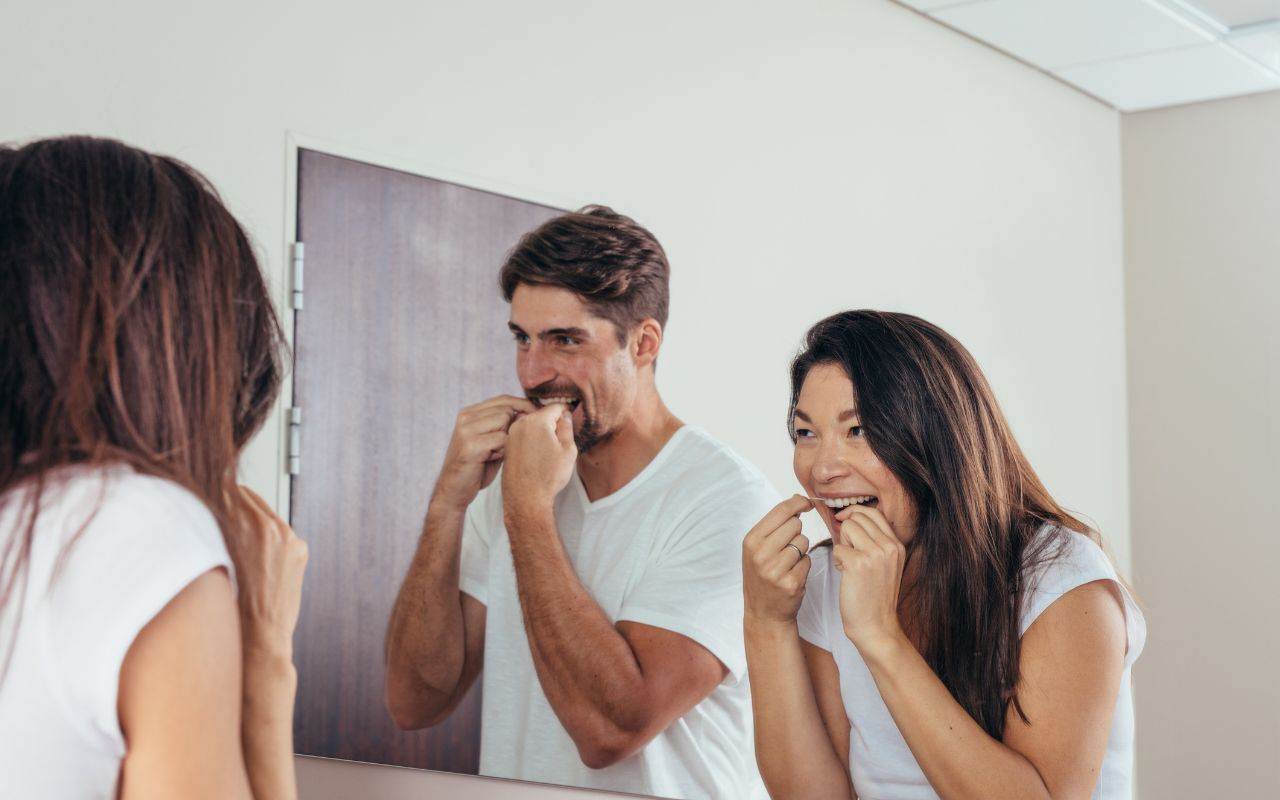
{"x":147,"y":540}
{"x":1081,"y":561}
{"x":473,"y":577}
{"x":810,"y":620}
{"x":693,"y":585}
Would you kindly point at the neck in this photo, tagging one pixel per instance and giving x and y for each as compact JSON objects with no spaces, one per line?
{"x":611,"y":464}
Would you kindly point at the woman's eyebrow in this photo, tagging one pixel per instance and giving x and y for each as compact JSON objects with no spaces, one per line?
{"x":844,"y":415}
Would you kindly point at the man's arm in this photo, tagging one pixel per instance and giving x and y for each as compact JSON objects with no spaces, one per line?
{"x":613,"y":688}
{"x":435,"y":639}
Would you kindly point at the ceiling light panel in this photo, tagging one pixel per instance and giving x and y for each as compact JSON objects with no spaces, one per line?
{"x":1055,"y":34}
{"x":1172,"y":77}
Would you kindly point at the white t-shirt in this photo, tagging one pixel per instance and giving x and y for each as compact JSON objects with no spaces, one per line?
{"x":60,"y":735}
{"x":664,"y":550}
{"x":882,"y":765}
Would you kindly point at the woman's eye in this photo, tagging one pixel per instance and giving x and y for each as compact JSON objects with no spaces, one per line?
{"x":856,"y":432}
{"x":803,"y":433}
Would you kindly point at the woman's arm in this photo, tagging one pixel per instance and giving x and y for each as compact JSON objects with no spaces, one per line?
{"x":796,"y":755}
{"x":797,"y":750}
{"x":270,"y":561}
{"x":1071,"y":665}
{"x":179,"y":699}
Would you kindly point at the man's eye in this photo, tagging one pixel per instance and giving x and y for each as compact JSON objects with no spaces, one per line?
{"x":521,"y":338}
{"x":803,"y":433}
{"x":566,"y":340}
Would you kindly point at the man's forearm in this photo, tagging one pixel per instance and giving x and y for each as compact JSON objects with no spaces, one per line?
{"x":426,"y":648}
{"x":586,"y":667}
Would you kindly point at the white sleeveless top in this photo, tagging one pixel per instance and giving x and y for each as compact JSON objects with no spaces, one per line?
{"x":60,"y":733}
{"x":882,"y":765}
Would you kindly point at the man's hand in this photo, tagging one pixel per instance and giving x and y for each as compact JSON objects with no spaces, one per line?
{"x":476,"y":449}
{"x":540,"y":457}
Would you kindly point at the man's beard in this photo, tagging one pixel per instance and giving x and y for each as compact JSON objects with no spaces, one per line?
{"x":589,"y":435}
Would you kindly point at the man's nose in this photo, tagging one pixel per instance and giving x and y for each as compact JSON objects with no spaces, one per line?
{"x":533,"y":367}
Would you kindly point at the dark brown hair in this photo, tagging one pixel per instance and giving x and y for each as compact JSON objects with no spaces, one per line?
{"x":609,"y":260}
{"x":135,"y":328}
{"x":930,"y":416}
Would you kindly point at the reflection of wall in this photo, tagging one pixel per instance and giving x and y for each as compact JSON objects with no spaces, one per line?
{"x":1202,"y":225}
{"x":794,"y":157}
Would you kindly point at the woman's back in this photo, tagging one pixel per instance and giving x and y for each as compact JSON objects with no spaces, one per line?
{"x":111,"y":549}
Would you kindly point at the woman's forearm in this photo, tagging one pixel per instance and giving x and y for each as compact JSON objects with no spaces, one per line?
{"x":961,"y":761}
{"x":270,"y":683}
{"x":793,"y":749}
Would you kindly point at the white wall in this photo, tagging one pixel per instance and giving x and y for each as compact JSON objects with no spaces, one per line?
{"x":1202,"y":225}
{"x":796,"y":158}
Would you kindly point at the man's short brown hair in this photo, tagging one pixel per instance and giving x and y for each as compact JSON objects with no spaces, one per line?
{"x":609,"y":260}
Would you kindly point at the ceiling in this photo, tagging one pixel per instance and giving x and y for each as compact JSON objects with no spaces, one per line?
{"x":1132,"y":54}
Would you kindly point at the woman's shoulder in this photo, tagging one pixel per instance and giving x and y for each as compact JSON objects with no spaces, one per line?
{"x":1060,"y":560}
{"x":103,"y":523}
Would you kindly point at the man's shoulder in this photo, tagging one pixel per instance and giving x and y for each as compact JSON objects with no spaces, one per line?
{"x":709,"y":469}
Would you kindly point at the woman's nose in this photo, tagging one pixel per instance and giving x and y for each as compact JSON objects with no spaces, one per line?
{"x":829,"y":466}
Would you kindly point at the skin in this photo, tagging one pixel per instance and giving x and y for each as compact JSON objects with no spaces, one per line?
{"x":207,"y":687}
{"x":613,"y":686}
{"x":1071,"y":664}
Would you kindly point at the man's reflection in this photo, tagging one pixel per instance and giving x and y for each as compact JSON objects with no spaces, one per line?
{"x":583,"y":545}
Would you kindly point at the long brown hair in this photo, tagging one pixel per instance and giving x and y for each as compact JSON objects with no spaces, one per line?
{"x":135,"y":328}
{"x":930,"y":416}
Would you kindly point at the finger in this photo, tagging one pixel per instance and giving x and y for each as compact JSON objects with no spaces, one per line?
{"x":779,"y":537}
{"x":801,"y":570}
{"x":518,"y":405}
{"x":853,"y":534}
{"x":886,"y":542}
{"x":493,"y":420}
{"x":842,"y":556}
{"x":793,"y":506}
{"x":882,"y":528}
{"x":489,"y":446}
{"x":801,"y":541}
{"x":564,"y":428}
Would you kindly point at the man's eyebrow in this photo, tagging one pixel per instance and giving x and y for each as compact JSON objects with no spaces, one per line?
{"x":577,"y":333}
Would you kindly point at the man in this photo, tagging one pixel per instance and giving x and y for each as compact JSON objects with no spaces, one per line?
{"x":596,"y":575}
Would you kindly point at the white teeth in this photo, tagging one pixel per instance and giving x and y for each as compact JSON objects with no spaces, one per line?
{"x":845,"y":502}
{"x":546,"y":401}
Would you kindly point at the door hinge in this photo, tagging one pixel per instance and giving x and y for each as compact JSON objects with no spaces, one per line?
{"x":299,"y":258}
{"x":295,"y":440}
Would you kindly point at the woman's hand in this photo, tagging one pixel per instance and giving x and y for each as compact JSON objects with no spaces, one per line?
{"x":870,"y":558}
{"x":270,"y":561}
{"x":775,"y":564}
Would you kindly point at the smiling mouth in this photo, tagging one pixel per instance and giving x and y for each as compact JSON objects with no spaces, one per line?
{"x":571,"y":402}
{"x":838,"y":504}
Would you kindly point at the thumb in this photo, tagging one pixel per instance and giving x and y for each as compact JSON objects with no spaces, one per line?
{"x":564,"y":427}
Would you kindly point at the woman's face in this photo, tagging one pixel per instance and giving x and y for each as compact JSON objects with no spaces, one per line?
{"x":833,"y":460}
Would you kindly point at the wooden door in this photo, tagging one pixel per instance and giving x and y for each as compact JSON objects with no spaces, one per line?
{"x":402,"y":325}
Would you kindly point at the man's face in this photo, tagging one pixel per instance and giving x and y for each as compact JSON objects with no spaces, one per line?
{"x":565,"y":352}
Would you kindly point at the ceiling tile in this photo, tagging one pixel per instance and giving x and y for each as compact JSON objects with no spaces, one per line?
{"x":1263,"y":46}
{"x":1059,"y":33}
{"x":1233,"y":13}
{"x":929,"y":5}
{"x":1171,"y":77}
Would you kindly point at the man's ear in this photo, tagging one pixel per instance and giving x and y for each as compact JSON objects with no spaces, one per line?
{"x":646,"y":341}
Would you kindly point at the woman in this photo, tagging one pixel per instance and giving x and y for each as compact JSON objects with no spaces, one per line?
{"x":138,"y":354}
{"x":963,"y":636}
